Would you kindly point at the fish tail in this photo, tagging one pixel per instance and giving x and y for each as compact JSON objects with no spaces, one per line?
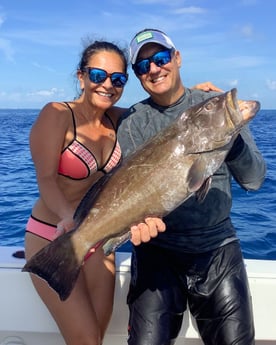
{"x":57,"y":265}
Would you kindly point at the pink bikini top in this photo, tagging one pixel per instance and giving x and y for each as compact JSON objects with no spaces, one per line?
{"x":77,"y":162}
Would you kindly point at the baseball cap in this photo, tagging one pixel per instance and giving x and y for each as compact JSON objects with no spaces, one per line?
{"x":148,"y":36}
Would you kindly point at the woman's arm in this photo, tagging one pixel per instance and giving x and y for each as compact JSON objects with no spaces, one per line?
{"x":46,"y":142}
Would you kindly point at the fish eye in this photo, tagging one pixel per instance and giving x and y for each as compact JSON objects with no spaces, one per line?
{"x":209,"y":106}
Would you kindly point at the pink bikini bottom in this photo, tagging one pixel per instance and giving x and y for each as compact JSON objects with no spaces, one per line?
{"x":41,"y":229}
{"x":48,"y":231}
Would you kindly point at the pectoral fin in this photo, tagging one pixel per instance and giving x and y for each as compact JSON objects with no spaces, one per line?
{"x":197,"y":182}
{"x":196,"y":175}
{"x":203,"y":190}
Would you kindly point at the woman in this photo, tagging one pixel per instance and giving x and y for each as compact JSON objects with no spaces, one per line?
{"x":73,"y":144}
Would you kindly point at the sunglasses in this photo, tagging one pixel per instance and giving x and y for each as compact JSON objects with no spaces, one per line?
{"x":159,"y":58}
{"x":98,"y":76}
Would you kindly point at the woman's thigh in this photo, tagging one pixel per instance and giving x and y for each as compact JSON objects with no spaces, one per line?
{"x":99,"y":273}
{"x":83,"y":317}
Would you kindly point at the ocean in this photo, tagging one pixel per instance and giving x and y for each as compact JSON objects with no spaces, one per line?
{"x":253,"y":213}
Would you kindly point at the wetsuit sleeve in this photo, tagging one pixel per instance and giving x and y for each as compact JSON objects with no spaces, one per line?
{"x":236,"y":149}
{"x":246,"y":162}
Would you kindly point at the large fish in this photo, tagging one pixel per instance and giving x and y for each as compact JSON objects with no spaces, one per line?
{"x":153,"y":181}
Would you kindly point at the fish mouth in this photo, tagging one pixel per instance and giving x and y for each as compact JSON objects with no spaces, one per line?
{"x":240,"y":112}
{"x":248,"y":109}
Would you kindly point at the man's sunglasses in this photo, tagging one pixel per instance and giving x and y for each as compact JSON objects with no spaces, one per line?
{"x":159,"y":58}
{"x":98,"y":76}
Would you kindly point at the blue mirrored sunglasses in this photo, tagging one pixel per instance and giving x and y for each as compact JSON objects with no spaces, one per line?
{"x":98,"y":76}
{"x":159,"y":58}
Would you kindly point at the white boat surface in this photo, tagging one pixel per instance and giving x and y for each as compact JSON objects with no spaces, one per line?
{"x":24,"y":319}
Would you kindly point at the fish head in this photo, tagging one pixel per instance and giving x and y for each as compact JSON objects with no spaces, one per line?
{"x":214,"y":123}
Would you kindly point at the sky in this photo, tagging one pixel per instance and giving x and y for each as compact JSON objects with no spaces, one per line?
{"x":231,"y":43}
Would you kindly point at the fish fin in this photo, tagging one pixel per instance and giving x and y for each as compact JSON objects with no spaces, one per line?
{"x":57,"y":265}
{"x":196,"y":176}
{"x":88,"y":200}
{"x":114,"y":243}
{"x":204,"y":189}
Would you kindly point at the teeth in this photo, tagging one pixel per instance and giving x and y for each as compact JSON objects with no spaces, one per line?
{"x":157,"y":79}
{"x":104,"y":94}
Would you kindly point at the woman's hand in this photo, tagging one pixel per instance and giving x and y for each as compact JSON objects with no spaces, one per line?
{"x":207,"y":86}
{"x":66,"y":224}
{"x":143,"y":232}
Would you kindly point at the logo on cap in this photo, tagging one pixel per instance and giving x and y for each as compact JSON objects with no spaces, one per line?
{"x":144,"y":36}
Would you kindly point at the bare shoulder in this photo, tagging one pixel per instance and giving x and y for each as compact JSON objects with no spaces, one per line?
{"x":54,"y":107}
{"x":53,"y":119}
{"x":116,"y":112}
{"x":53,"y":112}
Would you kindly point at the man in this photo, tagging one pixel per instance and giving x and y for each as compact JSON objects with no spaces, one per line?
{"x":197,"y":260}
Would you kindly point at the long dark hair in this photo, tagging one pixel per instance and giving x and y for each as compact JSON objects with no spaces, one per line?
{"x":98,"y":46}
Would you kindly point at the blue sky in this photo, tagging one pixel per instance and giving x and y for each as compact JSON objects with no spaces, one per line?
{"x":231,"y":43}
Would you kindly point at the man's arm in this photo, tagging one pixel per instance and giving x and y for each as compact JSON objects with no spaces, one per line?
{"x":246,"y":162}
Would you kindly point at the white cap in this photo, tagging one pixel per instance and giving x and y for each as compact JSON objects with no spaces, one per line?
{"x":148,"y":36}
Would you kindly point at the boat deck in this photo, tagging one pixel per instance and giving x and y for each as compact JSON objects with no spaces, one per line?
{"x":25,"y":320}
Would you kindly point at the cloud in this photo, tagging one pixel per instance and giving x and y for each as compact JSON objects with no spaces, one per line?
{"x":2,"y":19}
{"x":158,"y":2}
{"x":53,"y":92}
{"x":247,"y":31}
{"x":248,"y":2}
{"x":271,"y":84}
{"x":244,"y":61}
{"x":7,"y":50}
{"x":107,"y":14}
{"x":254,"y":95}
{"x":233,"y":83}
{"x":46,"y":68}
{"x":12,"y":97}
{"x":35,"y":95}
{"x":34,"y":99}
{"x":5,"y":45}
{"x":189,"y":10}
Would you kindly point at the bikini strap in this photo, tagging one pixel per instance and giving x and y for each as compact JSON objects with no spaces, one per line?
{"x":112,"y":123}
{"x":73,"y":119}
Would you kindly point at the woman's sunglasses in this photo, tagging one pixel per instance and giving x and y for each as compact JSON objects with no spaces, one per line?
{"x":98,"y":76}
{"x":159,"y":58}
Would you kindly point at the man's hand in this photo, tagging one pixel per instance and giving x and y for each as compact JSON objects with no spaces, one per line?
{"x":143,"y":232}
